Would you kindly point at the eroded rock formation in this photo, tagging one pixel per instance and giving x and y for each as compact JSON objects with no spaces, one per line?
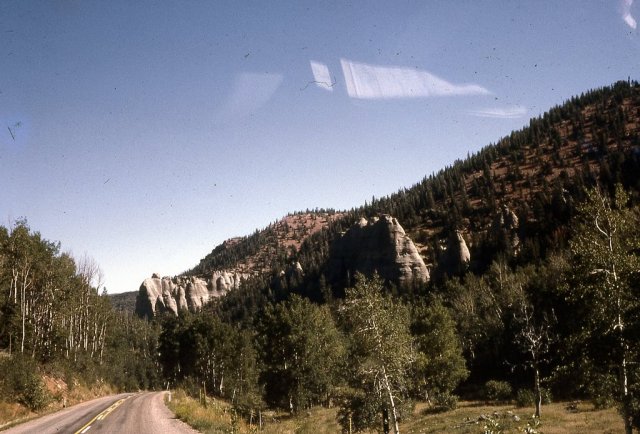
{"x":505,"y":228}
{"x":381,"y":246}
{"x":173,"y":294}
{"x":459,"y":255}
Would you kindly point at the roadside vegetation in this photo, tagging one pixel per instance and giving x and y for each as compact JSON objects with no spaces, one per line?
{"x":60,"y":340}
{"x":470,"y":417}
{"x":217,"y":417}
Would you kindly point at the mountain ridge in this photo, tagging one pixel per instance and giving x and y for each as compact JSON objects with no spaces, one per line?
{"x":542,"y":168}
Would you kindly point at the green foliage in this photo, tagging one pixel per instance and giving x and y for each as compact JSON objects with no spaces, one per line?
{"x":525,"y":398}
{"x":439,"y":364}
{"x":445,"y":401}
{"x":381,"y":345}
{"x":496,"y":390}
{"x":22,"y":381}
{"x":602,"y":391}
{"x":358,"y":412}
{"x":130,"y":354}
{"x":302,"y":354}
{"x":492,"y":426}
{"x":606,"y":262}
{"x":532,"y":426}
{"x":54,"y":316}
{"x":605,"y":249}
{"x":202,"y":351}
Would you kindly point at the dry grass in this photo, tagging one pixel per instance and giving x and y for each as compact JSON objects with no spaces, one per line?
{"x":469,"y":417}
{"x":472,"y":417}
{"x":59,"y":394}
{"x":215,"y":418}
{"x":11,"y":411}
{"x":218,"y":417}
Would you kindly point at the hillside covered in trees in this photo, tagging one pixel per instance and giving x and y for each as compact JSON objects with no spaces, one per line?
{"x":58,"y":332}
{"x":516,"y":308}
{"x":533,"y":250}
{"x":536,"y":175}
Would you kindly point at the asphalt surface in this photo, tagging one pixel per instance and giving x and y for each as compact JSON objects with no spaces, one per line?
{"x":140,"y":413}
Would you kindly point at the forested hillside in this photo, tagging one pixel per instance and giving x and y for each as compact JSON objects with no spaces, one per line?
{"x":530,"y":309}
{"x":56,"y":325}
{"x":538,"y":174}
{"x":256,"y":253}
{"x":533,"y":246}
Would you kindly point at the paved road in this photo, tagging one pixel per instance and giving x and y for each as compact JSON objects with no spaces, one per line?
{"x":141,"y":413}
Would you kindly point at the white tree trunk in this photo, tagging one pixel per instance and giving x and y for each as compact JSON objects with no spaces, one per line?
{"x":394,"y":413}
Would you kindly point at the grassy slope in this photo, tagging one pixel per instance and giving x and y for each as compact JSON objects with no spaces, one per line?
{"x":469,"y":417}
{"x":556,"y":419}
{"x":12,"y":413}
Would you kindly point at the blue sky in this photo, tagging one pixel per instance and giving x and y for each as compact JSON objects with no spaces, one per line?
{"x":144,"y":133}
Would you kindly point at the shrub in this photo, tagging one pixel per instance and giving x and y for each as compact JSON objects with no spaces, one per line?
{"x":497,"y":390}
{"x":547,"y":398}
{"x":22,"y":382}
{"x":525,"y":398}
{"x":445,"y":401}
{"x":33,"y":395}
{"x":602,"y":402}
{"x":602,"y":391}
{"x":357,"y":412}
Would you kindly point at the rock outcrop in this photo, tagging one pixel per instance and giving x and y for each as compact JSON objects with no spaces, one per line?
{"x":173,"y":294}
{"x":223,"y":281}
{"x":381,"y":246}
{"x":457,"y":249}
{"x":504,"y":229}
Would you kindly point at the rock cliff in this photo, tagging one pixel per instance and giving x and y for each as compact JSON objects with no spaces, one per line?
{"x":505,"y":227}
{"x":380,"y":245}
{"x":173,"y":294}
{"x":459,"y":255}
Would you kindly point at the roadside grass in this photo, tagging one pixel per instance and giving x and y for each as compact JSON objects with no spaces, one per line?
{"x":58,"y":395}
{"x":469,"y":417}
{"x":11,"y":411}
{"x":219,"y":417}
{"x":215,"y":418}
{"x":476,"y":417}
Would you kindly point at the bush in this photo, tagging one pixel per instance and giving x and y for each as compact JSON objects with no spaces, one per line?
{"x":445,"y":401}
{"x":602,"y":390}
{"x":497,"y":390}
{"x":525,"y":398}
{"x":23,"y":383}
{"x":357,"y":412}
{"x":602,"y":402}
{"x":34,"y":395}
{"x":547,"y":398}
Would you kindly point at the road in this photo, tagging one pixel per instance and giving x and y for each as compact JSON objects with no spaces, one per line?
{"x":140,"y":413}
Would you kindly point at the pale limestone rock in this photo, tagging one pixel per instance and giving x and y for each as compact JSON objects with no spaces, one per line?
{"x":380,"y":246}
{"x":463,"y":256}
{"x":167,"y":294}
{"x":505,"y":226}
